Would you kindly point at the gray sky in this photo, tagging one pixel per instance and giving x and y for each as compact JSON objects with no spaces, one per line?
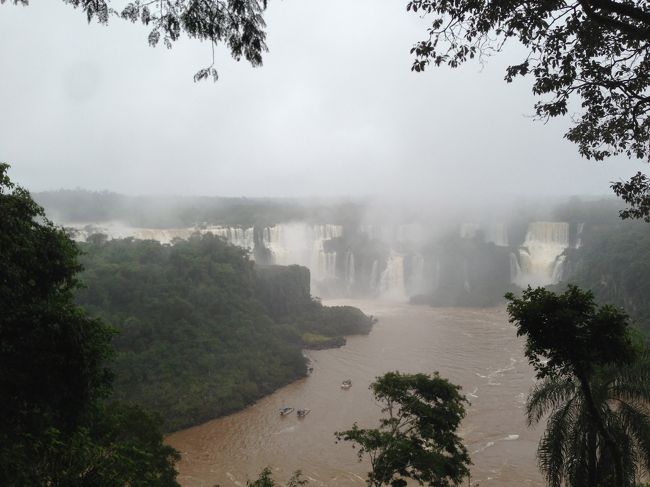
{"x":334,"y":111}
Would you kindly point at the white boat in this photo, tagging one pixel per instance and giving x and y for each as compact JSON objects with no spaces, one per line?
{"x":285,"y":411}
{"x":303,"y":412}
{"x":346,"y":384}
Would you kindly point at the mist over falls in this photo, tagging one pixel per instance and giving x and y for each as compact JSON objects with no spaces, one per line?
{"x":465,"y":264}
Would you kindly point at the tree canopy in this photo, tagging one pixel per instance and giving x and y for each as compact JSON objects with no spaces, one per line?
{"x":594,"y":51}
{"x":238,"y":24}
{"x":417,"y":440}
{"x":569,"y":341}
{"x":571,"y":450}
{"x":57,"y":426}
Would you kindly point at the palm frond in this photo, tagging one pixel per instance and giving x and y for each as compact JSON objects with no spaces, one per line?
{"x":548,"y":395}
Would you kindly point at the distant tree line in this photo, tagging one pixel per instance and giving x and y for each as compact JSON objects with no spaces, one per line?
{"x":84,"y":206}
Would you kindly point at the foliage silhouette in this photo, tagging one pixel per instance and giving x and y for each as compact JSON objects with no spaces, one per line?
{"x":568,"y":336}
{"x":239,"y":24}
{"x":56,"y":426}
{"x":418,"y":438}
{"x":594,"y":50}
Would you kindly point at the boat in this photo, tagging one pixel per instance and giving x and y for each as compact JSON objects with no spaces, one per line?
{"x":346,"y":384}
{"x":285,"y":411}
{"x":303,"y":412}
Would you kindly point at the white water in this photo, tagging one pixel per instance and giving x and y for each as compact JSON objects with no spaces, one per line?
{"x":391,"y":281}
{"x":303,"y":244}
{"x":539,"y":261}
{"x":497,"y":233}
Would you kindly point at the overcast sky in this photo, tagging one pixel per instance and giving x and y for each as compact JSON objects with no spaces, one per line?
{"x":334,"y":111}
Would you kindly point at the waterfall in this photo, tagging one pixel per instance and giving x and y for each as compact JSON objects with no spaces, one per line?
{"x":581,"y":227}
{"x":540,"y":260}
{"x":374,"y":276}
{"x":416,"y":275}
{"x":515,"y":269}
{"x":350,"y":272}
{"x":241,"y":237}
{"x":391,"y":281}
{"x":304,"y":244}
{"x":497,"y":233}
{"x":349,"y":269}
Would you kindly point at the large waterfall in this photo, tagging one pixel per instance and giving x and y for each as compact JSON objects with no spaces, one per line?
{"x":497,"y":233}
{"x":391,"y":281}
{"x":303,"y":244}
{"x":394,"y":261}
{"x":539,"y":261}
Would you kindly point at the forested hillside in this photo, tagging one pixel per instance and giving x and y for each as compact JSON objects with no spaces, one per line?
{"x":614,"y":263}
{"x":202,"y":332}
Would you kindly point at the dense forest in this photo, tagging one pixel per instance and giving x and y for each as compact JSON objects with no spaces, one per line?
{"x":614,"y":263}
{"x":202,"y":331}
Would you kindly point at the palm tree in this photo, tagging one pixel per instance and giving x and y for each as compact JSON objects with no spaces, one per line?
{"x":572,"y":450}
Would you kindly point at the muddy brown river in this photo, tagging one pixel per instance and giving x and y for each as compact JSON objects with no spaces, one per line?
{"x":475,"y":348}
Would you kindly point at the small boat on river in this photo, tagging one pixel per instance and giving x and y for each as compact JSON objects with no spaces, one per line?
{"x":346,"y":384}
{"x":285,"y":411}
{"x":303,"y":412}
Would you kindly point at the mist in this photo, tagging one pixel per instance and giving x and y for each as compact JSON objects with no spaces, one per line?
{"x":334,"y":112}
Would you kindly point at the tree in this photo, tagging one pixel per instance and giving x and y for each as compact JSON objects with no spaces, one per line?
{"x":597,"y":51}
{"x":568,"y":337}
{"x":418,"y":438}
{"x":266,"y":480}
{"x":237,"y":23}
{"x":571,"y":448}
{"x":54,"y":376}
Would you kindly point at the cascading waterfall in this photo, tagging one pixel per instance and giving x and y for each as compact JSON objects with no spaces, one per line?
{"x":374,"y":276}
{"x":539,"y":259}
{"x":581,"y":227}
{"x":350,"y":271}
{"x":395,"y":264}
{"x":391,"y":281}
{"x":241,"y":237}
{"x":303,"y":244}
{"x":515,"y":269}
{"x":497,"y":233}
{"x":415,"y":282}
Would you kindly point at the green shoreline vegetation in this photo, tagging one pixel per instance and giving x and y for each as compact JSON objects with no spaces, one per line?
{"x":202,"y":330}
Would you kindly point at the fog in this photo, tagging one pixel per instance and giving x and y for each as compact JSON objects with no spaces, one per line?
{"x":335,"y":111}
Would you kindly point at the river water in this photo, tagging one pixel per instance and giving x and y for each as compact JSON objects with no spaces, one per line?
{"x":475,"y":348}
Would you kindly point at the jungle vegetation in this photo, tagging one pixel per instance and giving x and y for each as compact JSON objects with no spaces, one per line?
{"x":202,"y":331}
{"x":594,"y":385}
{"x":60,"y":426}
